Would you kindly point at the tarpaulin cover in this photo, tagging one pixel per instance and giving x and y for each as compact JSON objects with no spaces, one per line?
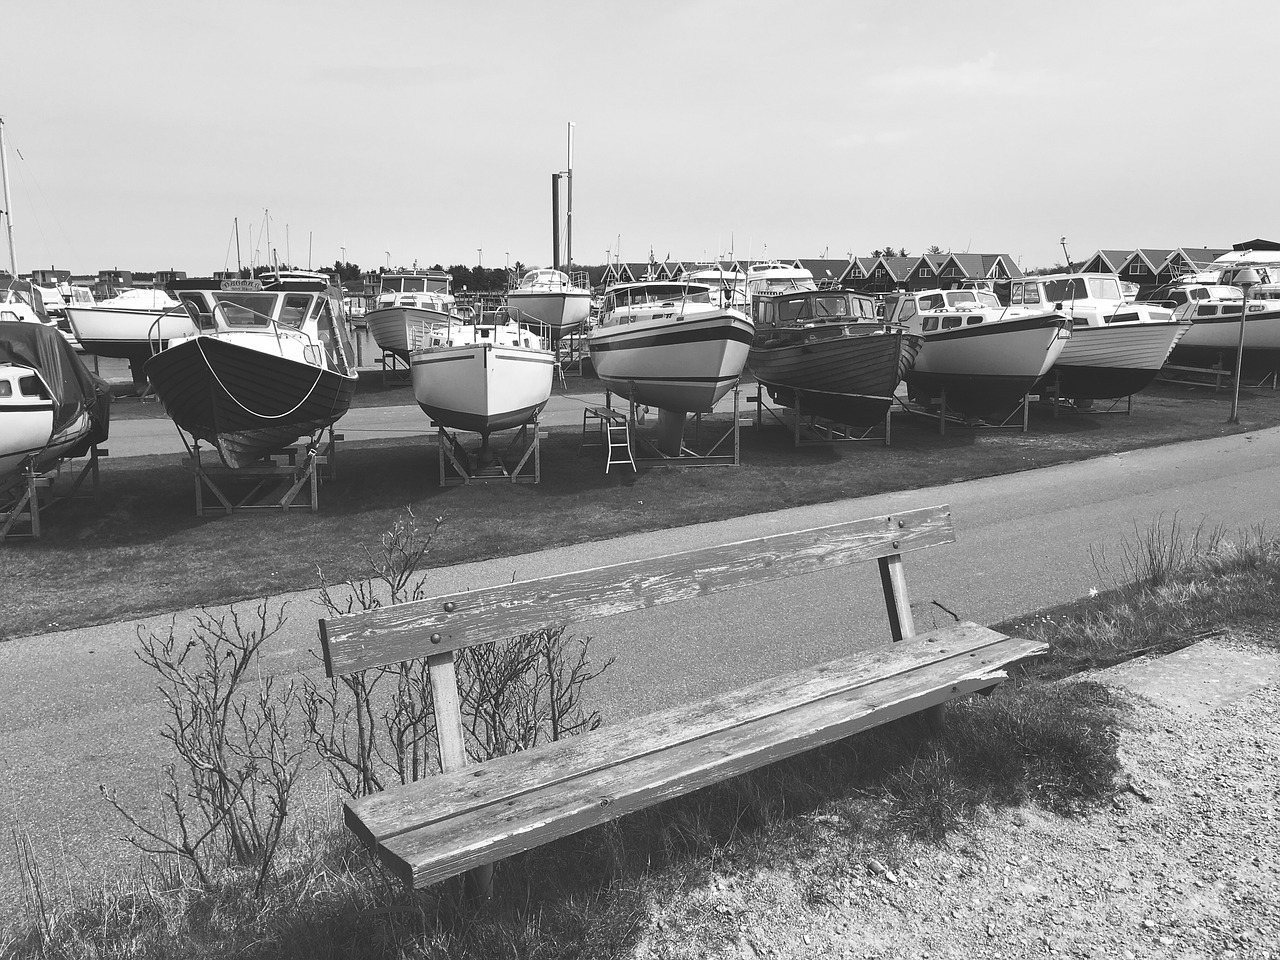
{"x":73,"y":387}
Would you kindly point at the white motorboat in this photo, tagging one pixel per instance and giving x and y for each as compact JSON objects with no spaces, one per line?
{"x":1214,"y":309}
{"x":730,"y":284}
{"x":482,"y":377}
{"x":983,"y":361}
{"x":550,"y":299}
{"x":669,"y":345}
{"x":770,"y":277}
{"x":272,"y":362}
{"x":130,"y":326}
{"x":409,"y":306}
{"x":1117,"y":346}
{"x":51,"y":407}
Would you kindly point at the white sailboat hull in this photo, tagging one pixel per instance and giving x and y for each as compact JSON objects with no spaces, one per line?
{"x":684,"y":362}
{"x":558,"y":311}
{"x":127,"y":333}
{"x":403,"y":330}
{"x":482,"y":387}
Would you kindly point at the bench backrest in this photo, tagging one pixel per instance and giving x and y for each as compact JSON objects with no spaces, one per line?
{"x":445,"y":624}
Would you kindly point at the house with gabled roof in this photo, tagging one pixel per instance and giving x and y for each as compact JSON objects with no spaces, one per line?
{"x":1104,"y":261}
{"x":888,"y":274}
{"x":856,"y":272}
{"x":1187,"y":260}
{"x":615,"y":273}
{"x":825,"y":272}
{"x":1143,"y":268}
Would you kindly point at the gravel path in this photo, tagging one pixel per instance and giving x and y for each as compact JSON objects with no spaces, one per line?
{"x":1183,"y":863}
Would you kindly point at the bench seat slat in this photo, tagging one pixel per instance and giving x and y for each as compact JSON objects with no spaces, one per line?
{"x":409,"y":631}
{"x":521,"y":801}
{"x":382,"y":814}
{"x":441,"y":850}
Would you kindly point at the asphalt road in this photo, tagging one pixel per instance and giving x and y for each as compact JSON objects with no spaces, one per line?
{"x":78,"y":710}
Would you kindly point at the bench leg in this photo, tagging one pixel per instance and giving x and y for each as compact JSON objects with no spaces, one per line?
{"x":478,"y":884}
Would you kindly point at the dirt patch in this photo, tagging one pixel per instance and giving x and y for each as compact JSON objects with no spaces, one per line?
{"x":1182,"y":863}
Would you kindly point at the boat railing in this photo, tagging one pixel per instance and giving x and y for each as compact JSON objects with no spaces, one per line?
{"x":509,"y":314}
{"x":155,"y":342}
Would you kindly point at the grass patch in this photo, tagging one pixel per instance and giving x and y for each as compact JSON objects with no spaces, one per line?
{"x":836,"y":813}
{"x":143,"y":521}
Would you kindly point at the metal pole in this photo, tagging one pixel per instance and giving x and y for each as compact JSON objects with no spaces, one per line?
{"x":568,"y":215}
{"x":555,"y":221}
{"x":1235,"y":398}
{"x":8,"y":206}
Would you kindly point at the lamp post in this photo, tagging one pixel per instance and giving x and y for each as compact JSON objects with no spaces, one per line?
{"x":1245,"y":280}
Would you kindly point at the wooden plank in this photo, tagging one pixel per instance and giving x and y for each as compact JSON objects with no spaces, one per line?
{"x":897,"y":602}
{"x":409,"y":631}
{"x":962,"y":649}
{"x":487,"y":834}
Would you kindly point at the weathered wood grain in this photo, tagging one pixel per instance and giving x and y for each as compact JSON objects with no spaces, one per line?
{"x":423,"y":628}
{"x":775,"y":717}
{"x":483,"y":835}
{"x":968,"y":647}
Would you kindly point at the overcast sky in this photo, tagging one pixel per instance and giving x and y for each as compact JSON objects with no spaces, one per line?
{"x":140,"y":131}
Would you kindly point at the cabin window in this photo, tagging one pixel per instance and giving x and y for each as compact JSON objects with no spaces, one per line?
{"x":971,"y":321}
{"x":32,"y":387}
{"x":830,"y":307}
{"x":245,"y":309}
{"x":294,"y":309}
{"x":790,"y":311}
{"x":6,"y":388}
{"x":930,"y":324}
{"x":949,"y":323}
{"x":1030,"y":293}
{"x":1178,"y":297}
{"x":198,"y":310}
{"x":1015,"y":295}
{"x":1207,"y":310}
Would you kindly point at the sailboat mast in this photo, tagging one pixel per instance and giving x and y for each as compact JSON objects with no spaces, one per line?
{"x":568,"y":213}
{"x":239,"y":265}
{"x":8,"y":207}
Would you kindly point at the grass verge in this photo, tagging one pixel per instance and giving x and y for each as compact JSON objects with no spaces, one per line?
{"x":143,"y":520}
{"x":846,"y":810}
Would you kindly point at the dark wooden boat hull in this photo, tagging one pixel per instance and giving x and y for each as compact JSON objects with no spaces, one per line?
{"x":846,"y":378}
{"x":246,"y":403}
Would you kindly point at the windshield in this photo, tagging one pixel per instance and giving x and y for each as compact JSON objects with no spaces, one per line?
{"x":245,"y":309}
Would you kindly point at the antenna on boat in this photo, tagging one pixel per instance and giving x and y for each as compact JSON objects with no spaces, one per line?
{"x":8,"y":207}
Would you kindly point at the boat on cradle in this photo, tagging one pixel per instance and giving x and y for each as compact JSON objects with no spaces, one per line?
{"x":1117,"y":346}
{"x":729,"y":283}
{"x":550,"y":300}
{"x":408,"y":306}
{"x":1213,"y":310}
{"x":483,"y":377}
{"x":827,"y":354}
{"x":985,"y":360}
{"x":133,"y":325}
{"x":770,"y":277}
{"x":669,"y":345}
{"x":271,"y":361}
{"x":51,"y":407}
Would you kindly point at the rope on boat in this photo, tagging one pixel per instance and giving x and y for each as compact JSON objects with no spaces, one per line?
{"x":248,"y":410}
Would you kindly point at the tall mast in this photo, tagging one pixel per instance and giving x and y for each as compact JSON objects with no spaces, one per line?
{"x":8,"y":207}
{"x":568,"y":214}
{"x":239,"y":266}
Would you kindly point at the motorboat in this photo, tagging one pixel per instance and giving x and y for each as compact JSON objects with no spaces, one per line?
{"x":769,"y":277}
{"x":1117,"y":346}
{"x":978,"y":359}
{"x":271,"y":362}
{"x":730,"y":284}
{"x":669,"y":345}
{"x":1214,"y":311}
{"x":549,"y":299}
{"x":51,"y":407}
{"x":21,"y":302}
{"x":483,"y":377}
{"x":133,"y":325}
{"x":409,"y":305}
{"x":826,"y":354}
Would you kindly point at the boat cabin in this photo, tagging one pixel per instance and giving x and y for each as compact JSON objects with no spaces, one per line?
{"x":249,"y":306}
{"x":933,"y":310}
{"x":774,"y":277}
{"x":826,"y":306}
{"x":1065,"y":289}
{"x":21,"y":301}
{"x":654,"y":292}
{"x":424,"y":289}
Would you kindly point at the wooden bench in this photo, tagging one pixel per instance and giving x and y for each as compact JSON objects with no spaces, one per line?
{"x":470,"y":816}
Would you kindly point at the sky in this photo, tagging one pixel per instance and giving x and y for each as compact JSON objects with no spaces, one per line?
{"x":140,"y":134}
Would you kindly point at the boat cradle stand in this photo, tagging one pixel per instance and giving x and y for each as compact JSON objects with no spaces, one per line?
{"x":521,"y":462}
{"x":286,"y":481}
{"x":809,"y":428}
{"x":1052,"y":394}
{"x":944,"y":415}
{"x":33,"y":493}
{"x":714,"y":452}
